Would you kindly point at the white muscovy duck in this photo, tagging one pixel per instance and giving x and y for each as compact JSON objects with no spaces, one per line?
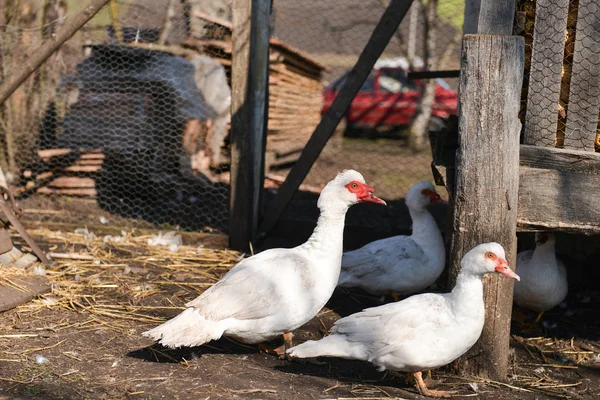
{"x":276,"y":291}
{"x":422,"y":332}
{"x":401,"y":265}
{"x":543,"y":282}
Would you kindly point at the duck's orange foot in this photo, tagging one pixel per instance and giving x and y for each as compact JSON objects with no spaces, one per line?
{"x":280,"y":351}
{"x":425,"y":391}
{"x":539,"y":316}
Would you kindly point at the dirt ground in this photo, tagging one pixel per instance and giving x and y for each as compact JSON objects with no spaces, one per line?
{"x":82,"y":341}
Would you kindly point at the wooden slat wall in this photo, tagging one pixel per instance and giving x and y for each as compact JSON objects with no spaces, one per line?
{"x":559,"y":190}
{"x":584,"y":91}
{"x":545,"y":75}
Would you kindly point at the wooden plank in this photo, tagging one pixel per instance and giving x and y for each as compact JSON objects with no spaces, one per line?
{"x":560,"y":159}
{"x":249,"y":106}
{"x":454,"y":73}
{"x":83,"y":168}
{"x":487,"y":182}
{"x":584,"y":91}
{"x":496,"y":17}
{"x":551,"y":199}
{"x":549,"y":178}
{"x":385,"y":29}
{"x":48,"y":153}
{"x":11,"y":297}
{"x":72,"y":182}
{"x":541,"y":118}
{"x":85,"y":192}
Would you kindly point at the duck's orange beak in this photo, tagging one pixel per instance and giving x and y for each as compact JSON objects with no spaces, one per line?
{"x":436,"y":199}
{"x":368,"y":196}
{"x":503,"y":268}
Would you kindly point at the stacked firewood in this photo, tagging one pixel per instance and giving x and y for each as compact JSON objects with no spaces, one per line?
{"x":64,"y":172}
{"x":295,"y":85}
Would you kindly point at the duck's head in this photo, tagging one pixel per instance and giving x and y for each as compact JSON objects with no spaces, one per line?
{"x":542,"y":238}
{"x":488,"y":257}
{"x":346,"y":189}
{"x":421,"y":195}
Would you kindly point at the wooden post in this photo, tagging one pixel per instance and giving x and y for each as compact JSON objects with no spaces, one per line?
{"x":472,"y":8}
{"x":487,"y":182}
{"x":49,"y":47}
{"x":496,"y":17}
{"x":113,"y":10}
{"x":383,"y":32}
{"x":250,"y":83}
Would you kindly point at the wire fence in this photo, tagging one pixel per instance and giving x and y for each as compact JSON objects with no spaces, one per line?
{"x":131,"y":116}
{"x":560,"y":102}
{"x":120,"y":122}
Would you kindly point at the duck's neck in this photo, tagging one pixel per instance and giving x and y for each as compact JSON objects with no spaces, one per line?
{"x":329,"y":233}
{"x":544,"y":257}
{"x":467,"y":295}
{"x":424,"y":228}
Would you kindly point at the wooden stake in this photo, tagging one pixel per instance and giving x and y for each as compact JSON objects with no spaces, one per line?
{"x":249,"y":103}
{"x":487,"y":182}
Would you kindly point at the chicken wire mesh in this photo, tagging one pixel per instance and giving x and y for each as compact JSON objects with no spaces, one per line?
{"x":122,"y":121}
{"x":560,"y":102}
{"x":129,"y":119}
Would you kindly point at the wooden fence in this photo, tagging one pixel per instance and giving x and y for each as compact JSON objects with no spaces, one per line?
{"x":557,"y":171}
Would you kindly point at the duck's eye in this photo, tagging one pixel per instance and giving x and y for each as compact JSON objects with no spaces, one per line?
{"x":354,"y":186}
{"x":490,"y":255}
{"x":425,"y":192}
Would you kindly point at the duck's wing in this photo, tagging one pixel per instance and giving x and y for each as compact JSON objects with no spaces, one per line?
{"x":392,"y":326}
{"x":253,"y":288}
{"x":371,"y":263}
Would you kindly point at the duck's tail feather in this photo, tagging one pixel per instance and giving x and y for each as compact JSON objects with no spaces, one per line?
{"x":187,"y":329}
{"x":330,"y":346}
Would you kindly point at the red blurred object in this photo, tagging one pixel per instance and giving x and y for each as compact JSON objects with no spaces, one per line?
{"x":388,"y":99}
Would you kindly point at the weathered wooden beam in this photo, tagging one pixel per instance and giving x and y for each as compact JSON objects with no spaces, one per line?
{"x":551,"y":199}
{"x":250,"y":85}
{"x":11,"y":297}
{"x":496,"y":17}
{"x":558,"y":189}
{"x":49,"y":47}
{"x":543,"y":94}
{"x":585,"y":162}
{"x":487,"y":182}
{"x":383,"y":32}
{"x":584,"y":90}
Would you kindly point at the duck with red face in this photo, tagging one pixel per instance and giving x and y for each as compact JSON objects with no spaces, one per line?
{"x":401,"y":265}
{"x":278,"y":290}
{"x":419,"y":333}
